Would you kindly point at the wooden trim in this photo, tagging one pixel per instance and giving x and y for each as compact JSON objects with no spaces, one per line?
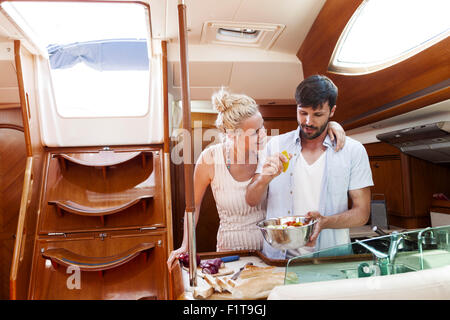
{"x":9,"y":106}
{"x":440,"y":210}
{"x":22,"y":95}
{"x":393,"y":109}
{"x":21,"y":227}
{"x":79,"y":209}
{"x":440,"y":203}
{"x":411,"y":84}
{"x":185,"y":93}
{"x":11,"y":126}
{"x":165,"y":97}
{"x":68,"y":258}
{"x":98,"y":160}
{"x":278,"y":112}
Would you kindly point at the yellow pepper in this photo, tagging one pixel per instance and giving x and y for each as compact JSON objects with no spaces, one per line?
{"x":285,"y":164}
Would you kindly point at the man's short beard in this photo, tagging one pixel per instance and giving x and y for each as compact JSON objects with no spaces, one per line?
{"x":316,"y":134}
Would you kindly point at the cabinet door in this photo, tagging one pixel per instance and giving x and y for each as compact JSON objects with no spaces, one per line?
{"x":387,"y":179}
{"x":101,"y":268}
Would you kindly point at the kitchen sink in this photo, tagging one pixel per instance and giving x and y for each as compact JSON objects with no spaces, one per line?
{"x":397,"y":268}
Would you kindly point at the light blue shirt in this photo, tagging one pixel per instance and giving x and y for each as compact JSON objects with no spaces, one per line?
{"x":347,"y":169}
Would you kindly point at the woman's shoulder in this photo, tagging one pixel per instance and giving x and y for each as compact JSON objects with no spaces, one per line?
{"x":209,"y":154}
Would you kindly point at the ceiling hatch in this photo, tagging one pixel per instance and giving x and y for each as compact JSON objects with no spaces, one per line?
{"x":253,"y":35}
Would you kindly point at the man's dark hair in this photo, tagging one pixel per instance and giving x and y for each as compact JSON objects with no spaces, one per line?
{"x":315,"y":91}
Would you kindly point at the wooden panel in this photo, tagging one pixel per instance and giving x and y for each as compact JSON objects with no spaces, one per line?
{"x":143,"y":277}
{"x":387,"y":179}
{"x":135,"y":190}
{"x":381,"y":149}
{"x":12,"y":168}
{"x":427,"y":179}
{"x":208,"y":223}
{"x":408,"y":85}
{"x":279,"y":119}
{"x":12,"y":118}
{"x":408,"y":184}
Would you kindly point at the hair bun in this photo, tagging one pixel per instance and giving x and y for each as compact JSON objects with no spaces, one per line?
{"x":222,"y":101}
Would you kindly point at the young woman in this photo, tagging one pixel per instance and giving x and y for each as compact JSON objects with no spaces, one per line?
{"x":229,"y":167}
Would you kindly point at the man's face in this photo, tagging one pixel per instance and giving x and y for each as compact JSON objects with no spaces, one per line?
{"x":314,"y":122}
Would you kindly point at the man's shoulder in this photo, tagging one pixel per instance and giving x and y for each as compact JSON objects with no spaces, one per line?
{"x":352,"y":145}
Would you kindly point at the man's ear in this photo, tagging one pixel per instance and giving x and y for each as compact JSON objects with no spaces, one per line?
{"x":332,"y":111}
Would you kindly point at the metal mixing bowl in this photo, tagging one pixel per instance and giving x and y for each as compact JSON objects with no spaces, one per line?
{"x":289,"y":238}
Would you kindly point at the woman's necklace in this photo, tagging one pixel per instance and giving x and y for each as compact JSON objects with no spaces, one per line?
{"x":227,"y":155}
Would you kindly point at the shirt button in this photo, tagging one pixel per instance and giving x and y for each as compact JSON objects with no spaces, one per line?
{"x":291,"y":191}
{"x":289,"y":211}
{"x":292,"y":174}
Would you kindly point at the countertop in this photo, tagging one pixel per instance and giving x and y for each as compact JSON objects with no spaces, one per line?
{"x":366,"y":231}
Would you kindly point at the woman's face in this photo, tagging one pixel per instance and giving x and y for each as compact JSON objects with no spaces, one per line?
{"x":252,"y":134}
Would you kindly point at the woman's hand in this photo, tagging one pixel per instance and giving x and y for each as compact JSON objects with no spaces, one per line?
{"x":173,"y":257}
{"x":336,"y":132}
{"x":274,"y":165}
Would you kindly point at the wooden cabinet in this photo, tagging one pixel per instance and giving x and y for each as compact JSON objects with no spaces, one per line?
{"x":407,"y":183}
{"x":102,"y":228}
{"x":387,"y":179}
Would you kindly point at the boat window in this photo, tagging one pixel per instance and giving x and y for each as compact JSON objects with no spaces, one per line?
{"x":382,"y":33}
{"x":98,"y":54}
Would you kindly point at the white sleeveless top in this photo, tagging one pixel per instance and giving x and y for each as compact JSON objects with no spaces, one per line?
{"x":237,"y":229}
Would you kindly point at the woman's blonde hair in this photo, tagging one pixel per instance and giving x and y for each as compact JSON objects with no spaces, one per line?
{"x":233,"y":109}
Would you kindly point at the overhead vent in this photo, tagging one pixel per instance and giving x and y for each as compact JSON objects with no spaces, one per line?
{"x":429,"y":142}
{"x":253,"y":35}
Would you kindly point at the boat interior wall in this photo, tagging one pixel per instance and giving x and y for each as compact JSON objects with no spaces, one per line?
{"x":9,"y":92}
{"x":416,"y":82}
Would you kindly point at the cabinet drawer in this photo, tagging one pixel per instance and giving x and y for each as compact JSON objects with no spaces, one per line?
{"x":98,"y":266}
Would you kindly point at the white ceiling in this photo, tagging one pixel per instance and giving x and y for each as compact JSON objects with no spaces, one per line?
{"x":271,"y":74}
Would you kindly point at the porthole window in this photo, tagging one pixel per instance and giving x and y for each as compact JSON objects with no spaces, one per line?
{"x":382,"y":33}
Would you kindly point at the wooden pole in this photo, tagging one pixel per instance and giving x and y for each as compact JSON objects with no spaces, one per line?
{"x":187,"y":143}
{"x":23,"y":99}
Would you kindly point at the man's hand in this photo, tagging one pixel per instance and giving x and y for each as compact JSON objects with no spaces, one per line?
{"x":321,"y":220}
{"x":274,"y":165}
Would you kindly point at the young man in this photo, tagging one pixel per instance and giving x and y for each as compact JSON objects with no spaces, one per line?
{"x":317,"y":179}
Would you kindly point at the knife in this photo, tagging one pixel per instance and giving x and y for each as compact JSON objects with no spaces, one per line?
{"x":237,"y":274}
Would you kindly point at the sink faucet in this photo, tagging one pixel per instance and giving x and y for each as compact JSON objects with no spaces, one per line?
{"x":420,"y":239}
{"x":385,"y":261}
{"x":396,"y":242}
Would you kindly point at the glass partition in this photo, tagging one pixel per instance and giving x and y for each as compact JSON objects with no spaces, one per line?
{"x":385,"y":255}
